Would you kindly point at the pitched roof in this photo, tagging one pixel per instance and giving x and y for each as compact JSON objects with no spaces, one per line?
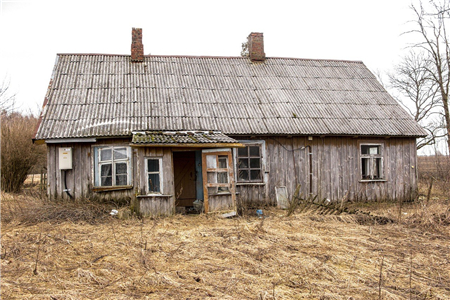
{"x":97,"y":95}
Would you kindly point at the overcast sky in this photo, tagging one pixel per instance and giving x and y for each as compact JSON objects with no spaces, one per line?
{"x":33,"y":32}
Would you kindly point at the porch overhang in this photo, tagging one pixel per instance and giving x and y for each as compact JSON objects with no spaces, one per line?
{"x":191,"y":139}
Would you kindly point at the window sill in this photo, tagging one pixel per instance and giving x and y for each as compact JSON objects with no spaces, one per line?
{"x":99,"y":189}
{"x":372,"y":180}
{"x":154,"y":196}
{"x":250,"y":183}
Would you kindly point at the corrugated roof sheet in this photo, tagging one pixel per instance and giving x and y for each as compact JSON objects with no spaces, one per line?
{"x":177,"y":137}
{"x":96,"y":95}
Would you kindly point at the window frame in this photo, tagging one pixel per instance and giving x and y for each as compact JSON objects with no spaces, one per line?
{"x":262,"y":156}
{"x":372,"y":158}
{"x":98,"y":163}
{"x":160,"y":173}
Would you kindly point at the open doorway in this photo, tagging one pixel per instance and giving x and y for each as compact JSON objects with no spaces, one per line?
{"x":187,"y":176}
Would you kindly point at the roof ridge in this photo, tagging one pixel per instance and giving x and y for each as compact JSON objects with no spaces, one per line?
{"x":210,"y":56}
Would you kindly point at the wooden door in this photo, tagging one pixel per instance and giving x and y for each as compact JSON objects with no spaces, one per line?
{"x":218,"y":180}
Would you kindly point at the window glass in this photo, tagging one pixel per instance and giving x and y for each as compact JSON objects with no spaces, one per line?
{"x":105,"y":154}
{"x":243,"y":163}
{"x":370,"y":149}
{"x":255,"y":175}
{"x":153,"y":175}
{"x":121,"y":168}
{"x":153,"y":165}
{"x":106,"y":170}
{"x":243,"y":151}
{"x":243,"y":175}
{"x":121,"y":179}
{"x":120,"y":153}
{"x":111,"y":166}
{"x":222,"y":177}
{"x":371,"y":162}
{"x":153,"y":183}
{"x":106,"y":174}
{"x":255,"y":163}
{"x":223,"y":162}
{"x":254,"y":150}
{"x":249,"y":164}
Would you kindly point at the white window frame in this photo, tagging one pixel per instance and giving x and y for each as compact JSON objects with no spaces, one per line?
{"x":372,"y":162}
{"x":98,"y":163}
{"x":262,"y":153}
{"x":160,"y":172}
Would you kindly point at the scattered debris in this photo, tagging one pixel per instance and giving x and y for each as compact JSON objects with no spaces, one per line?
{"x":229,"y":215}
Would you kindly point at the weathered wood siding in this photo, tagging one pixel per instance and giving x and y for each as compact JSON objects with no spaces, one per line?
{"x":335,"y":175}
{"x":80,"y":178}
{"x":155,"y":205}
{"x":336,"y":170}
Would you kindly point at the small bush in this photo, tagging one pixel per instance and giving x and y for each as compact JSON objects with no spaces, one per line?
{"x":19,"y":155}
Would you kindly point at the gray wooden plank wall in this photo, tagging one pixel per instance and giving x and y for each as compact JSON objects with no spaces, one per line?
{"x":336,"y":169}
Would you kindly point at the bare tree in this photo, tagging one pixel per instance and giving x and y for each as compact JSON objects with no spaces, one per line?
{"x":431,"y":25}
{"x":419,"y":94}
{"x":7,"y":98}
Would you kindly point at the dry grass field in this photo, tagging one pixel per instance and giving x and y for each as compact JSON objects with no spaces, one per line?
{"x":78,"y":251}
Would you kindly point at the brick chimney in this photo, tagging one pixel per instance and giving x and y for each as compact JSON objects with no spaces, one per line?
{"x":256,"y":46}
{"x":137,"y":48}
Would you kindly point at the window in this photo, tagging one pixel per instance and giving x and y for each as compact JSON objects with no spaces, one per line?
{"x":249,"y":163}
{"x":371,"y":161}
{"x":153,"y":167}
{"x":112,"y":166}
{"x":217,"y":173}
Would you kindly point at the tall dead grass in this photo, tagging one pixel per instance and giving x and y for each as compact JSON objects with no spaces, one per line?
{"x":302,"y":256}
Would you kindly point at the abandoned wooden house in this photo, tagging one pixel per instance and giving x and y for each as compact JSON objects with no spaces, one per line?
{"x":166,"y":131}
